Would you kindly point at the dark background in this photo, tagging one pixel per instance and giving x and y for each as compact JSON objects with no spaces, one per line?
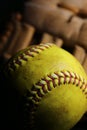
{"x":7,"y":7}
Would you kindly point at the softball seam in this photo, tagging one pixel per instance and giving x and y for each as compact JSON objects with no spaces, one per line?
{"x":46,"y":84}
{"x":55,"y":79}
{"x":28,"y":53}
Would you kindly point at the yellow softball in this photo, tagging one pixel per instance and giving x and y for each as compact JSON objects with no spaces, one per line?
{"x":52,"y":85}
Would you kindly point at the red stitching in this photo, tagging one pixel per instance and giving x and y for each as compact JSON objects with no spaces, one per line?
{"x":30,"y":52}
{"x":46,"y":87}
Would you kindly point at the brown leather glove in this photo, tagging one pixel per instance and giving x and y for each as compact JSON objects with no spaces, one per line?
{"x":62,"y":18}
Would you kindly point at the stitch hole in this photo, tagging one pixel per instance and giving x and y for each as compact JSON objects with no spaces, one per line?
{"x":35,"y":98}
{"x":39,"y":93}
